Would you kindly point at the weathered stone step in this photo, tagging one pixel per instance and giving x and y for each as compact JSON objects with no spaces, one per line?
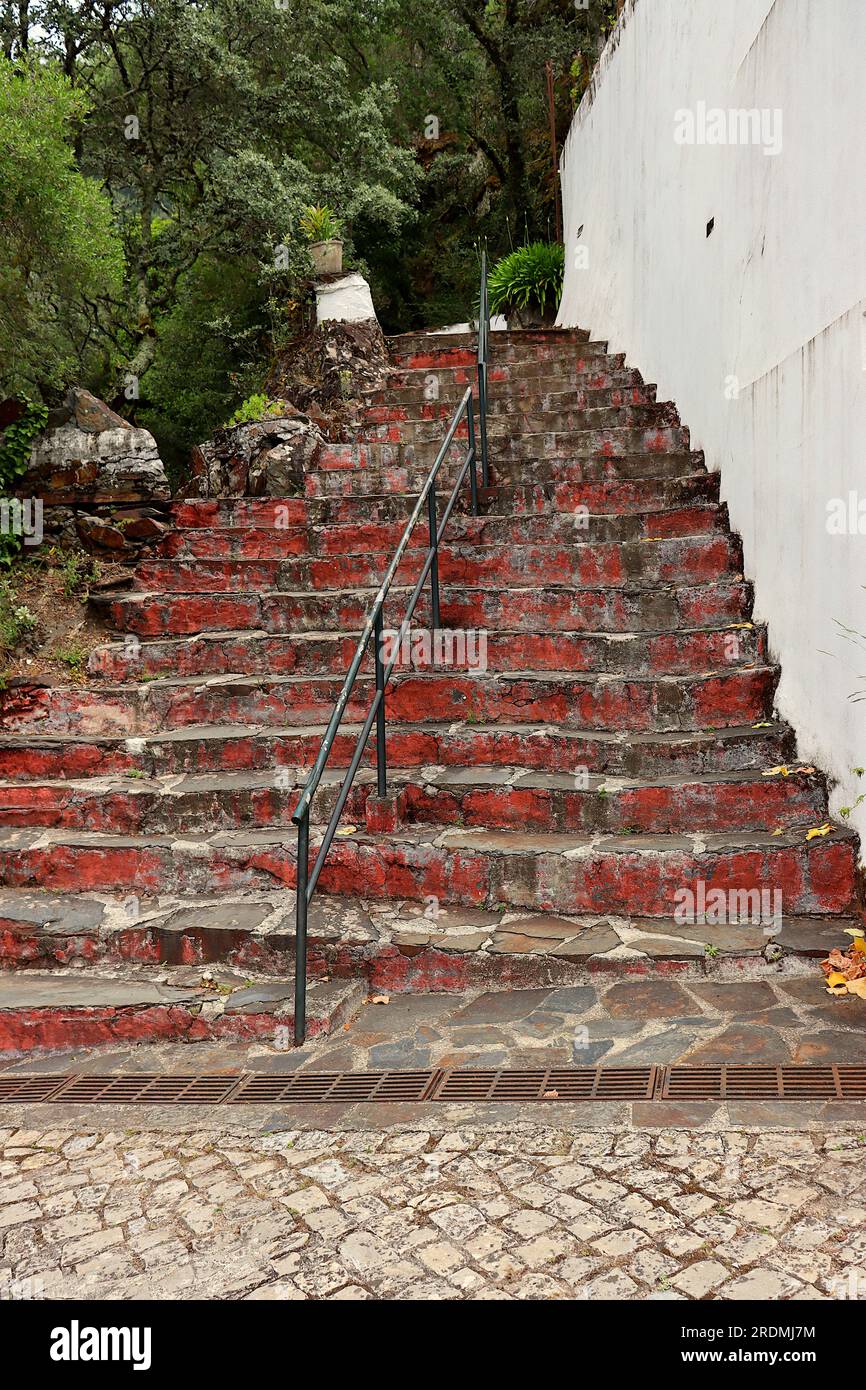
{"x":59,"y":1010}
{"x":443,"y":353}
{"x":576,"y":425}
{"x":288,"y":516}
{"x":583,"y":367}
{"x":258,"y":653}
{"x":639,"y":704}
{"x":381,"y":407}
{"x":387,"y":456}
{"x":543,"y":747}
{"x":680,"y":560}
{"x":363,"y":480}
{"x":423,"y":390}
{"x":256,"y":543}
{"x":571,"y":873}
{"x":394,"y":948}
{"x":417,"y":339}
{"x":663,"y":608}
{"x":508,"y":798}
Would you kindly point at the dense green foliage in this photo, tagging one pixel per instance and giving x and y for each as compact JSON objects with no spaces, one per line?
{"x":60,"y":257}
{"x":158,"y":156}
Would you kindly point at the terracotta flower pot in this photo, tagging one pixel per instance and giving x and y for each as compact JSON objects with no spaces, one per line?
{"x":327,"y":256}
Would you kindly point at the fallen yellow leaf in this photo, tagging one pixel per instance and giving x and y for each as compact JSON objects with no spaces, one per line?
{"x":347,"y":830}
{"x":764,"y":724}
{"x":855,"y":931}
{"x":836,"y":978}
{"x":819,"y":830}
{"x":780,"y":771}
{"x":858,"y":987}
{"x":837,"y":989}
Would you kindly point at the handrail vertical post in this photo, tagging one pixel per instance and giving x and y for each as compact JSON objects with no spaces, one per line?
{"x":483,"y":330}
{"x":381,"y":764}
{"x":473,"y":472}
{"x":301,"y":929}
{"x":434,"y":546}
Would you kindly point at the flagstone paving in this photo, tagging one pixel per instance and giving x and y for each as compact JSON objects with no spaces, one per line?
{"x":518,"y":1211}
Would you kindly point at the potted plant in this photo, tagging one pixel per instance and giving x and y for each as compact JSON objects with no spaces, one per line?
{"x":526,"y":285}
{"x":322,"y":230}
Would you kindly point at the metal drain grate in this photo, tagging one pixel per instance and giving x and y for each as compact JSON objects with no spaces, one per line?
{"x":466,"y":1085}
{"x":567,"y":1083}
{"x":30,"y":1088}
{"x":336,"y":1087}
{"x":764,"y":1083}
{"x":146,"y":1088}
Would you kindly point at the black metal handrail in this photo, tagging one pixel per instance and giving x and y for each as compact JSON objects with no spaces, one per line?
{"x":307,"y":876}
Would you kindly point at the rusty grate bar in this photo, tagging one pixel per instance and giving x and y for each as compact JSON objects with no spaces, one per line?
{"x":30,"y":1088}
{"x":764,"y":1083}
{"x":466,"y":1085}
{"x":335,"y":1087}
{"x":148,"y":1088}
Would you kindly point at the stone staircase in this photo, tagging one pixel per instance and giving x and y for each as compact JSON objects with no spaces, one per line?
{"x":617,"y":746}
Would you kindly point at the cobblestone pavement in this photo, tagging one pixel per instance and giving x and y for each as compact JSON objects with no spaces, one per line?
{"x":526,"y":1212}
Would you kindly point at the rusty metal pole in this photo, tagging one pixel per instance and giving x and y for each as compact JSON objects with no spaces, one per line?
{"x":551,"y":105}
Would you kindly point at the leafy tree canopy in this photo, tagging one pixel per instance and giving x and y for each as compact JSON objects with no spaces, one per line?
{"x":164,"y":152}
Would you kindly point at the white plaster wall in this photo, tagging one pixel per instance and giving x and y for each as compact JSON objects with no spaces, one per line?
{"x":775,"y":298}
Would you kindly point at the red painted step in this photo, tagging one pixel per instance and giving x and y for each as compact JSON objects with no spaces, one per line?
{"x":640,"y":704}
{"x":402,"y":469}
{"x":569,"y":873}
{"x":683,"y":560}
{"x":540,"y":608}
{"x":289,"y":515}
{"x":52,"y":1011}
{"x":510,"y":798}
{"x":542,"y":747}
{"x":364,"y":538}
{"x":313,"y":653}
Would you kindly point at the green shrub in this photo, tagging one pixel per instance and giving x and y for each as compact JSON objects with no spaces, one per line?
{"x":256,"y":408}
{"x":529,"y":278}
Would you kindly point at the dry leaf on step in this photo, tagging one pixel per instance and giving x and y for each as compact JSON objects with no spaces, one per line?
{"x":819,"y":830}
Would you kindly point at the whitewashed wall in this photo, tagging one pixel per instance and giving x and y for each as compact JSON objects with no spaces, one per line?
{"x":758,"y":331}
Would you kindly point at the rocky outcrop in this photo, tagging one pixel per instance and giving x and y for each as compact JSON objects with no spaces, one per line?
{"x":99,"y":478}
{"x":264,"y":458}
{"x":338,"y":363}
